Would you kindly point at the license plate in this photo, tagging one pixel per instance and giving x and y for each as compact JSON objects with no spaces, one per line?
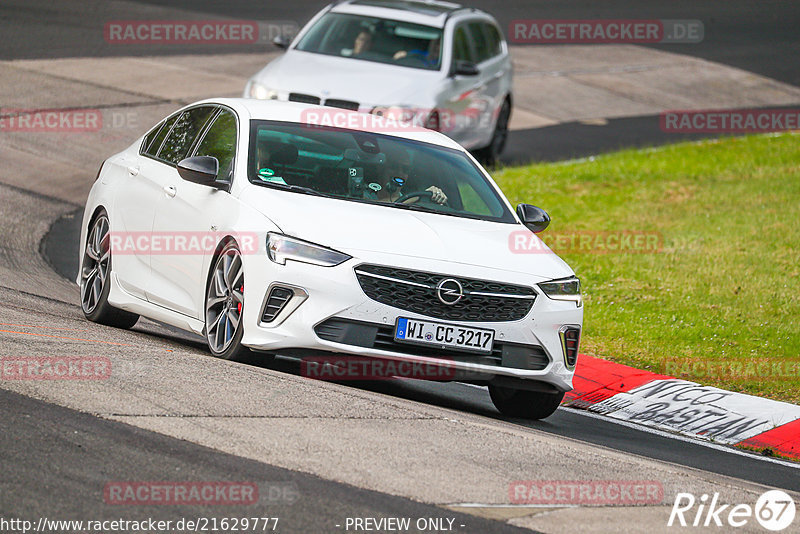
{"x":443,"y":335}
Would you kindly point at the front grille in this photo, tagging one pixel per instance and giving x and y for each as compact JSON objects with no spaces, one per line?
{"x":381,"y":337}
{"x":343,"y":104}
{"x":305,"y":99}
{"x":276,"y":301}
{"x":416,"y":291}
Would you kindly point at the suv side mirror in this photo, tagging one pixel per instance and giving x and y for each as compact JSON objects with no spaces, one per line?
{"x":201,"y":170}
{"x":536,"y":219}
{"x":465,"y":68}
{"x":281,"y":42}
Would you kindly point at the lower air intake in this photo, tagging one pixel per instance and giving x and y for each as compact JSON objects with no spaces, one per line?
{"x":276,"y":302}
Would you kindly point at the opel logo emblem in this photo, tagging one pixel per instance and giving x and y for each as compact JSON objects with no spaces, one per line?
{"x":449,"y":291}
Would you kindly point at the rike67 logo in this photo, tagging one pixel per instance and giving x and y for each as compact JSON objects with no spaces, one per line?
{"x":774,"y":510}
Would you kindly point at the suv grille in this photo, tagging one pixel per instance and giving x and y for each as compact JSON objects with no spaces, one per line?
{"x":343,"y":104}
{"x":305,"y":99}
{"x":416,"y":291}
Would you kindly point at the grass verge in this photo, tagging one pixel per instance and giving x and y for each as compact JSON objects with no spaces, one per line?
{"x":718,"y":302}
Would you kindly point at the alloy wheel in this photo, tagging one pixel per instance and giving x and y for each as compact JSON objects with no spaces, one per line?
{"x":94,"y":269}
{"x":225,"y":300}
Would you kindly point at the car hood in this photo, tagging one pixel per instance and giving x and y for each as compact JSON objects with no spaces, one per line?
{"x":366,"y":82}
{"x":354,"y":227}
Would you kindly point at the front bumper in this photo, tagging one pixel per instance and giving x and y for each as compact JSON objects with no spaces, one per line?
{"x":529,"y":349}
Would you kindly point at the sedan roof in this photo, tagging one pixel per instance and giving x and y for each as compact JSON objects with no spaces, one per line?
{"x":314,"y":115}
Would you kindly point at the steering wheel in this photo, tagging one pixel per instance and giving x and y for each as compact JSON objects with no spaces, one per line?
{"x":417,"y":194}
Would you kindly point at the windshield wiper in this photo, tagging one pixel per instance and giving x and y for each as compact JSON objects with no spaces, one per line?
{"x":426,"y":209}
{"x":415,"y":207}
{"x":295,"y":188}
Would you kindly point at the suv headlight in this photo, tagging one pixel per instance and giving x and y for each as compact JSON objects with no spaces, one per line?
{"x":261,"y":92}
{"x":281,"y":248}
{"x":564,"y":289}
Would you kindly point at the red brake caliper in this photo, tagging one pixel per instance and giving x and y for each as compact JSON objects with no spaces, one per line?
{"x":239,"y":305}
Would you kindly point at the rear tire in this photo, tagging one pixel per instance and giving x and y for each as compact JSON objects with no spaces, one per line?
{"x":524,"y":403}
{"x":95,"y":278}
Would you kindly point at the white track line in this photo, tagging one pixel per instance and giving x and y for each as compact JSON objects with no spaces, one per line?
{"x":670,"y":435}
{"x":679,"y":437}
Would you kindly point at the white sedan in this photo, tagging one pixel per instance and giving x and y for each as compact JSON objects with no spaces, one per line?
{"x":240,"y":220}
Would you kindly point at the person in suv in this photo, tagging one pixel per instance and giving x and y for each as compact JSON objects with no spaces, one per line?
{"x":438,"y":64}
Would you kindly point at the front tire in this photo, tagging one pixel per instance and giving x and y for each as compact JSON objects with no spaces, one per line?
{"x":224,"y":307}
{"x":95,"y":273}
{"x":524,"y":403}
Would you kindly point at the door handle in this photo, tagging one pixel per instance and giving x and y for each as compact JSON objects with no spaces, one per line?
{"x":133,"y":170}
{"x":170,"y":190}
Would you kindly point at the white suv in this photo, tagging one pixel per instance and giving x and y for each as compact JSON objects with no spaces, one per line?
{"x":444,"y":66}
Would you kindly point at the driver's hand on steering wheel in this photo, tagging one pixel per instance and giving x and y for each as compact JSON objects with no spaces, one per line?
{"x":438,"y":195}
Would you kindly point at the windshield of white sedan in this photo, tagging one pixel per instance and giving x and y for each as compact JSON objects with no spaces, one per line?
{"x":373,"y":168}
{"x":374,"y":39}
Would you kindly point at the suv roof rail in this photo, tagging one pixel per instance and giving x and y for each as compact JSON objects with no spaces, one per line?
{"x":456,"y":11}
{"x":443,"y":4}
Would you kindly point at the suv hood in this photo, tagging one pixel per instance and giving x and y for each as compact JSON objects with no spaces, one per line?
{"x":354,"y":227}
{"x":366,"y":82}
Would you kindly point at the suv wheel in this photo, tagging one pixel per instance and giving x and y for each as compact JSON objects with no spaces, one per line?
{"x":490,"y":154}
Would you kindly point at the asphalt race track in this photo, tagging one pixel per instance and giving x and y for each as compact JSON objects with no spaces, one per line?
{"x":87,"y":449}
{"x":319,"y":452}
{"x":59,"y":247}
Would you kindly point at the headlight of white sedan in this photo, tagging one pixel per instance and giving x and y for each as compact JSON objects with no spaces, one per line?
{"x":262,"y":92}
{"x":281,"y":248}
{"x":564,"y":289}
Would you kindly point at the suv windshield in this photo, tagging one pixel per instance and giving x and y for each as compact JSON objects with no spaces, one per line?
{"x":375,"y":39}
{"x":373,"y":168}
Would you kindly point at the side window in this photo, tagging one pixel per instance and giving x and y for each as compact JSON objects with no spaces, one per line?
{"x":151,"y":148}
{"x":461,"y":49}
{"x":479,"y":38}
{"x":148,"y":139}
{"x":220,"y":142}
{"x":183,"y":134}
{"x":495,"y":39}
